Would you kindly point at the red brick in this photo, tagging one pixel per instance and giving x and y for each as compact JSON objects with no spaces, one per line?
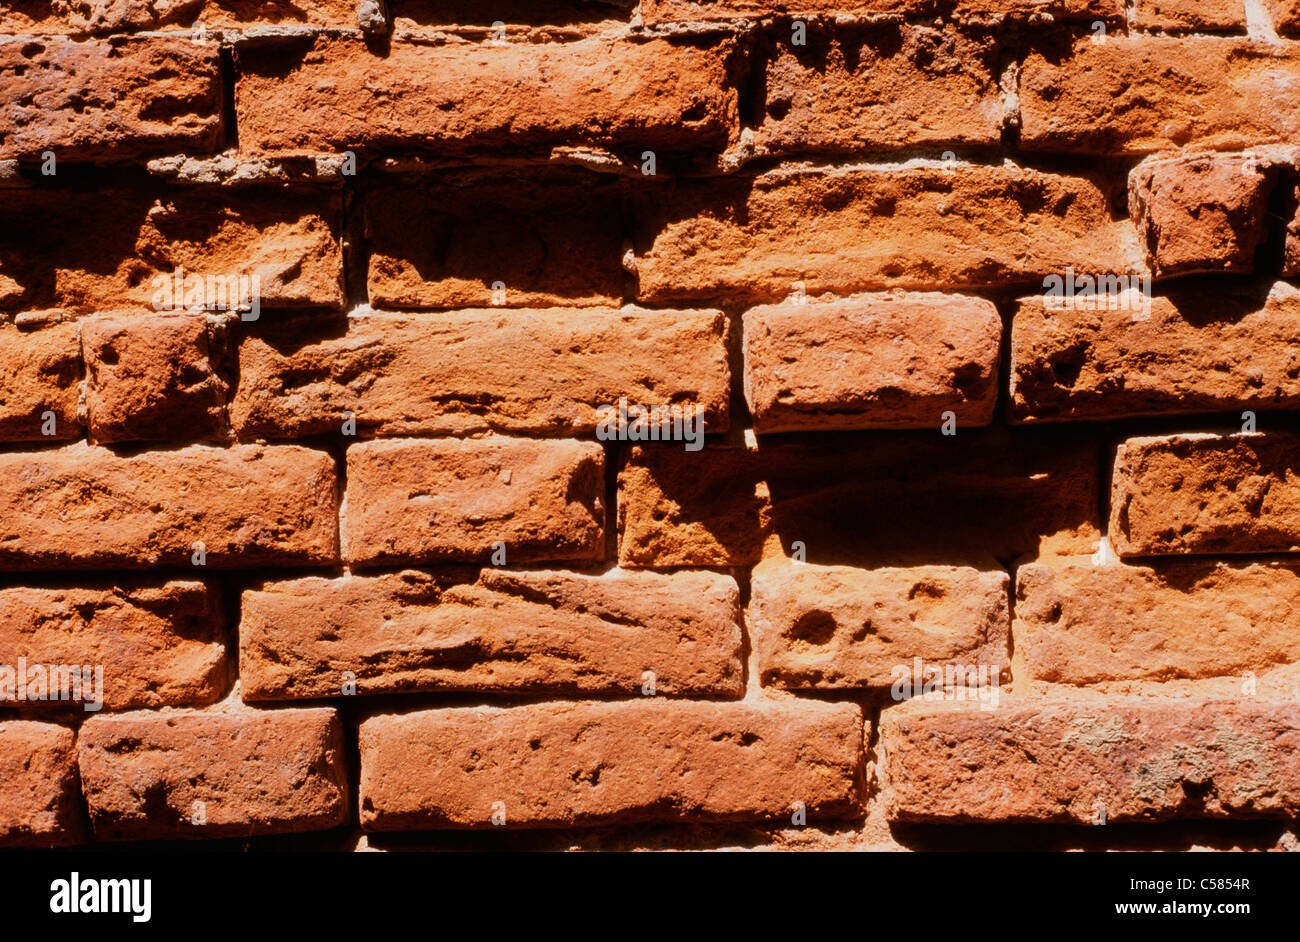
{"x":584,"y":764}
{"x":158,"y":644}
{"x":112,"y":249}
{"x":84,"y":507}
{"x":335,"y":93}
{"x":40,"y":378}
{"x":1139,"y":759}
{"x":148,"y":776}
{"x":840,"y":628}
{"x":125,"y":16}
{"x":1191,"y":15}
{"x":977,"y":498}
{"x":413,"y":14}
{"x":1137,"y":94}
{"x":418,"y":374}
{"x":514,"y":241}
{"x":875,"y":361}
{"x":451,"y":500}
{"x":155,"y":376}
{"x":668,"y":11}
{"x":1200,"y":214}
{"x":880,"y":87}
{"x":1189,"y":351}
{"x":1206,"y":493}
{"x":493,"y":631}
{"x":109,"y":100}
{"x":38,"y":785}
{"x":1285,"y":15}
{"x":859,"y":229}
{"x":1079,"y":624}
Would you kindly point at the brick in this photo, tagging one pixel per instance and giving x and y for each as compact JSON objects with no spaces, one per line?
{"x":1200,"y":214}
{"x":85,"y":507}
{"x":160,"y":377}
{"x":875,"y":361}
{"x":1138,"y":94}
{"x":287,"y":240}
{"x":109,"y":100}
{"x":841,"y":628}
{"x":417,"y":374}
{"x":149,"y":776}
{"x":1139,"y":759}
{"x":158,"y":644}
{"x":519,"y":241}
{"x":1285,"y":15}
{"x":977,"y":498}
{"x":1078,"y":624}
{"x":38,"y":785}
{"x":332,"y":93}
{"x":450,"y":500}
{"x":493,"y":631}
{"x":1191,"y":15}
{"x":40,"y":379}
{"x":585,"y":764}
{"x":1206,"y":493}
{"x":880,"y":87}
{"x":412,"y":14}
{"x":101,"y":17}
{"x":690,"y":11}
{"x":859,"y":229}
{"x":1192,"y":352}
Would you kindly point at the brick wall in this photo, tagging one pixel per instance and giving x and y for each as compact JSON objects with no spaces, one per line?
{"x":313,"y":318}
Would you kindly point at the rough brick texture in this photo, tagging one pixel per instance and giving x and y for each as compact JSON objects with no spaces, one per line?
{"x":1140,"y":759}
{"x":650,"y":424}
{"x":417,"y":501}
{"x":210,"y":775}
{"x":567,"y":764}
{"x":493,"y":631}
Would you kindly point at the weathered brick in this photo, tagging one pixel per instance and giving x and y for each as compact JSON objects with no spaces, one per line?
{"x":40,"y":382}
{"x":124,"y":16}
{"x":977,"y":498}
{"x":1188,"y":351}
{"x":452,"y":500}
{"x":404,"y":374}
{"x":408,"y":15}
{"x":155,"y":376}
{"x":84,"y":507}
{"x":331,"y":94}
{"x":1136,"y":759}
{"x":113,"y":249}
{"x":1079,"y":624}
{"x":668,"y":11}
{"x":158,"y":644}
{"x":1285,"y":15}
{"x":1200,"y":214}
{"x":880,"y":87}
{"x":1190,"y":15}
{"x":38,"y":785}
{"x":875,"y":361}
{"x":859,"y":229}
{"x":836,"y":627}
{"x":211,"y":774}
{"x":584,"y":764}
{"x":1137,"y":94}
{"x":1206,"y":493}
{"x":109,"y":100}
{"x":525,"y":241}
{"x":493,"y":631}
